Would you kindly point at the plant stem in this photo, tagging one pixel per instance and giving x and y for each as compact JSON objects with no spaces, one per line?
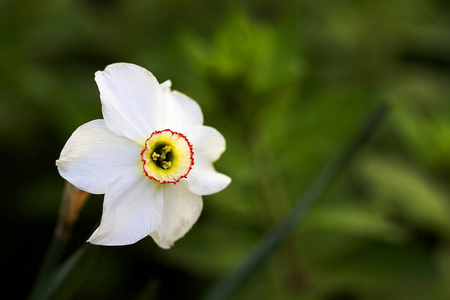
{"x":269,"y":244}
{"x":73,"y":200}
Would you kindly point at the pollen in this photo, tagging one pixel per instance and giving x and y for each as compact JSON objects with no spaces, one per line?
{"x":167,"y":156}
{"x":166,"y":164}
{"x":166,"y":149}
{"x":162,"y":159}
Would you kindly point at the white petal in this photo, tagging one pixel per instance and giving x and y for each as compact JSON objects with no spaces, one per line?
{"x":131,"y":210}
{"x":205,"y":180}
{"x":206,"y":141}
{"x":94,"y":157}
{"x":182,"y":111}
{"x":132,"y":100}
{"x":181,"y":210}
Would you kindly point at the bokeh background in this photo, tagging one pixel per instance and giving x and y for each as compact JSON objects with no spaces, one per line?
{"x":288,"y":83}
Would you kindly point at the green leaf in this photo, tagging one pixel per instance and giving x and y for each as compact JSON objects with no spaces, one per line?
{"x":354,"y":221}
{"x":270,"y":243}
{"x":403,"y":190}
{"x":66,"y":279}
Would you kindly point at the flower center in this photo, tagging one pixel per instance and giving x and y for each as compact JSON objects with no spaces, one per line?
{"x":167,"y":156}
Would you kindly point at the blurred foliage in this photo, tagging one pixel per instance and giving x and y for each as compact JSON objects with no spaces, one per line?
{"x":287,"y":83}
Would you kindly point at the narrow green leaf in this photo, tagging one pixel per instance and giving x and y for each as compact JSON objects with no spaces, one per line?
{"x":66,"y":279}
{"x":270,"y":243}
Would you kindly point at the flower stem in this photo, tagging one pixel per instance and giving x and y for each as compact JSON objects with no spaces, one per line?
{"x":72,"y":201}
{"x":269,"y":244}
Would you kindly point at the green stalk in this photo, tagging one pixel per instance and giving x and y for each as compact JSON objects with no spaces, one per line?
{"x":73,"y":200}
{"x":270,"y":243}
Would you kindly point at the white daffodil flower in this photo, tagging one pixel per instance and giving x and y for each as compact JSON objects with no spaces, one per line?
{"x":151,"y":156}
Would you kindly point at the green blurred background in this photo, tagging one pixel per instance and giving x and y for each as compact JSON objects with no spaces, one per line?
{"x":288,"y":84}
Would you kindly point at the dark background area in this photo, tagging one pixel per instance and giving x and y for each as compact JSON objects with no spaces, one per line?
{"x":288,"y":84}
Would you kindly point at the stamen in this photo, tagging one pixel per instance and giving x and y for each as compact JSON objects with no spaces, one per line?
{"x":166,"y":164}
{"x":166,"y":149}
{"x":155,"y":156}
